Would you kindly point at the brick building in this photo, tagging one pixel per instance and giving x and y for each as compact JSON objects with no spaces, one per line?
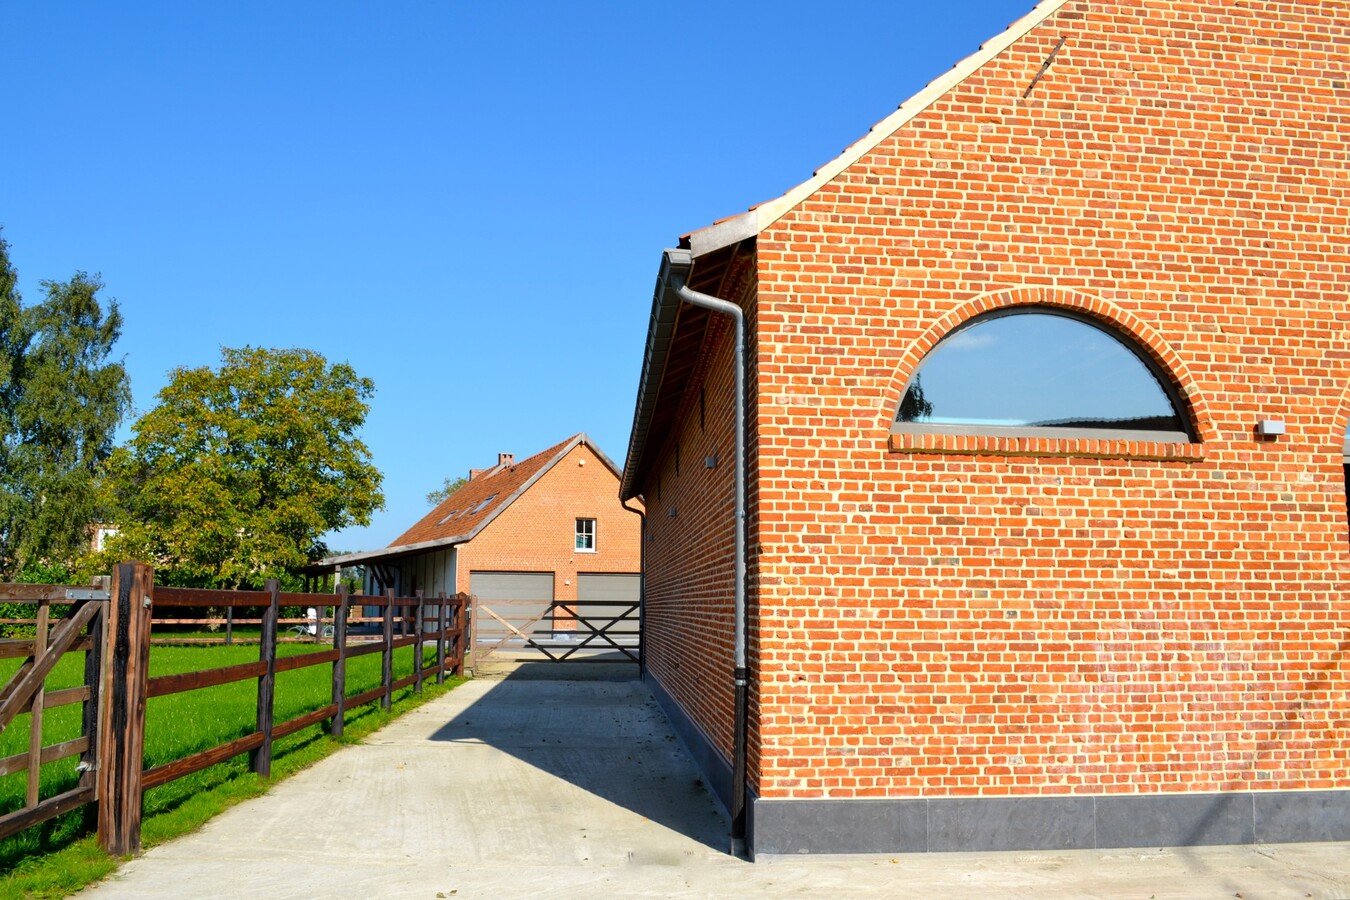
{"x":547,"y":528}
{"x":1118,"y":626}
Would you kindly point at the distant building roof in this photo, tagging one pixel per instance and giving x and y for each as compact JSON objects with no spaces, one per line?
{"x":460,"y":517}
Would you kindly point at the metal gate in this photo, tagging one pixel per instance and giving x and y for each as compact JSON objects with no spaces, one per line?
{"x":512,"y":619}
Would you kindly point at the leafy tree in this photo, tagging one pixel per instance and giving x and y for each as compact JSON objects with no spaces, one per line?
{"x":12,"y":340}
{"x":238,"y":472}
{"x":61,"y":400}
{"x":436,"y":497}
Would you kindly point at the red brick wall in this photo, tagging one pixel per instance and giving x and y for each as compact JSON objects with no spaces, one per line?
{"x":537,"y":532}
{"x":952,"y":616}
{"x":690,"y":566}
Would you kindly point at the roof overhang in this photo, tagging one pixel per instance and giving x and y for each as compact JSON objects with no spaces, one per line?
{"x":384,"y":553}
{"x":674,"y":271}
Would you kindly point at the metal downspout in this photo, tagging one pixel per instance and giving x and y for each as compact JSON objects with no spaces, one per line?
{"x":642,"y":586}
{"x":740,"y":673}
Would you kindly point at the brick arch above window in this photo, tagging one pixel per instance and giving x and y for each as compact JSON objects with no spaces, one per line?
{"x":1131,"y":331}
{"x":1340,"y":424}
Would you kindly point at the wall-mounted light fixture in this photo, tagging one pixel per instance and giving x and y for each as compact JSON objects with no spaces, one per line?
{"x":710,"y":461}
{"x":1270,"y":427}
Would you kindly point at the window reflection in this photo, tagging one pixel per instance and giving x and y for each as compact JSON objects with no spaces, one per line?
{"x":1036,"y":371}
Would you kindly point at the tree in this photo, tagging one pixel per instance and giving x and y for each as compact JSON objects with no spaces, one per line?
{"x":436,"y":497}
{"x":237,"y":473}
{"x":61,"y":400}
{"x":11,"y":349}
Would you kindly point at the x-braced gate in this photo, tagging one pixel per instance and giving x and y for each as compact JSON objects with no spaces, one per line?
{"x":559,"y":631}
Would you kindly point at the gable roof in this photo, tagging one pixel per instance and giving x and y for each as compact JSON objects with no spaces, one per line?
{"x":733,"y":229}
{"x":713,"y":246}
{"x":460,"y":517}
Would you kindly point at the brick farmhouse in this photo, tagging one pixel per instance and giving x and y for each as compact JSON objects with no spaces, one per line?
{"x":1111,"y":627}
{"x":547,"y":528}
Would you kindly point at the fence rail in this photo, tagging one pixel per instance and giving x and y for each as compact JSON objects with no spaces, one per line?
{"x":114,"y":629}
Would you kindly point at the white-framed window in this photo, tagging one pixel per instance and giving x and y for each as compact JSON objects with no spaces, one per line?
{"x":585,"y":535}
{"x":100,"y":534}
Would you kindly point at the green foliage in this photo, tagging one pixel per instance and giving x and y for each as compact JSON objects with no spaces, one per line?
{"x":35,"y":572}
{"x":12,"y":340}
{"x":61,"y":400}
{"x":436,"y":497}
{"x":238,"y":472}
{"x":354,"y":577}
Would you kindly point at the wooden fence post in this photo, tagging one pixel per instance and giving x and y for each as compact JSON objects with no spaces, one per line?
{"x":267,"y":683}
{"x":121,"y":737}
{"x":440,"y":638}
{"x":419,"y":618}
{"x":340,"y":664}
{"x":89,"y":711}
{"x":387,"y":669}
{"x":229,"y":625}
{"x":40,"y":636}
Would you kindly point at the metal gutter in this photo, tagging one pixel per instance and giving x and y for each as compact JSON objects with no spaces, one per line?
{"x":642,"y":584}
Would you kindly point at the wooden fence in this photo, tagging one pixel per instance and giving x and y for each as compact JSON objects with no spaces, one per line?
{"x":113,"y":628}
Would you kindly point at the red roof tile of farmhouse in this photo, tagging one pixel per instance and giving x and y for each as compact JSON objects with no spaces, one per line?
{"x":464,"y":510}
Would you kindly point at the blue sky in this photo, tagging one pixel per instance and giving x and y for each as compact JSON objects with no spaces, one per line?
{"x":1022,"y":369}
{"x":466,"y":201}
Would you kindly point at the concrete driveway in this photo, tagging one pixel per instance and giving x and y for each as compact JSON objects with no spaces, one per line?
{"x":516,"y":785}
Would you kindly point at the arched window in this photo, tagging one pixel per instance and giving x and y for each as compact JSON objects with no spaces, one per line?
{"x":1041,"y":372}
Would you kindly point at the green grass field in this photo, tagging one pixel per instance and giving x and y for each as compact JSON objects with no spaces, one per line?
{"x":47,"y":860}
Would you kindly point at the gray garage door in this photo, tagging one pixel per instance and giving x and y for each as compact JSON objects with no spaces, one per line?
{"x":516,"y":597}
{"x":512,"y":585}
{"x":608,"y":586}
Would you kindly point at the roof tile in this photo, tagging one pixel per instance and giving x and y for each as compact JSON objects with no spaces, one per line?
{"x":463,"y":511}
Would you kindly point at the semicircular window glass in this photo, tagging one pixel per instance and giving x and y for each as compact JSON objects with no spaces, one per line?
{"x":1039,"y":373}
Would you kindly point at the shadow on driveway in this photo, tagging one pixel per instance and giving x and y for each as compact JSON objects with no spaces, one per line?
{"x":597,"y":727}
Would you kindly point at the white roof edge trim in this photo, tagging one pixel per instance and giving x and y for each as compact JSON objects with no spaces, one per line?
{"x":601,"y":455}
{"x":347,"y":559}
{"x":724,"y":234}
{"x":751,"y":223}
